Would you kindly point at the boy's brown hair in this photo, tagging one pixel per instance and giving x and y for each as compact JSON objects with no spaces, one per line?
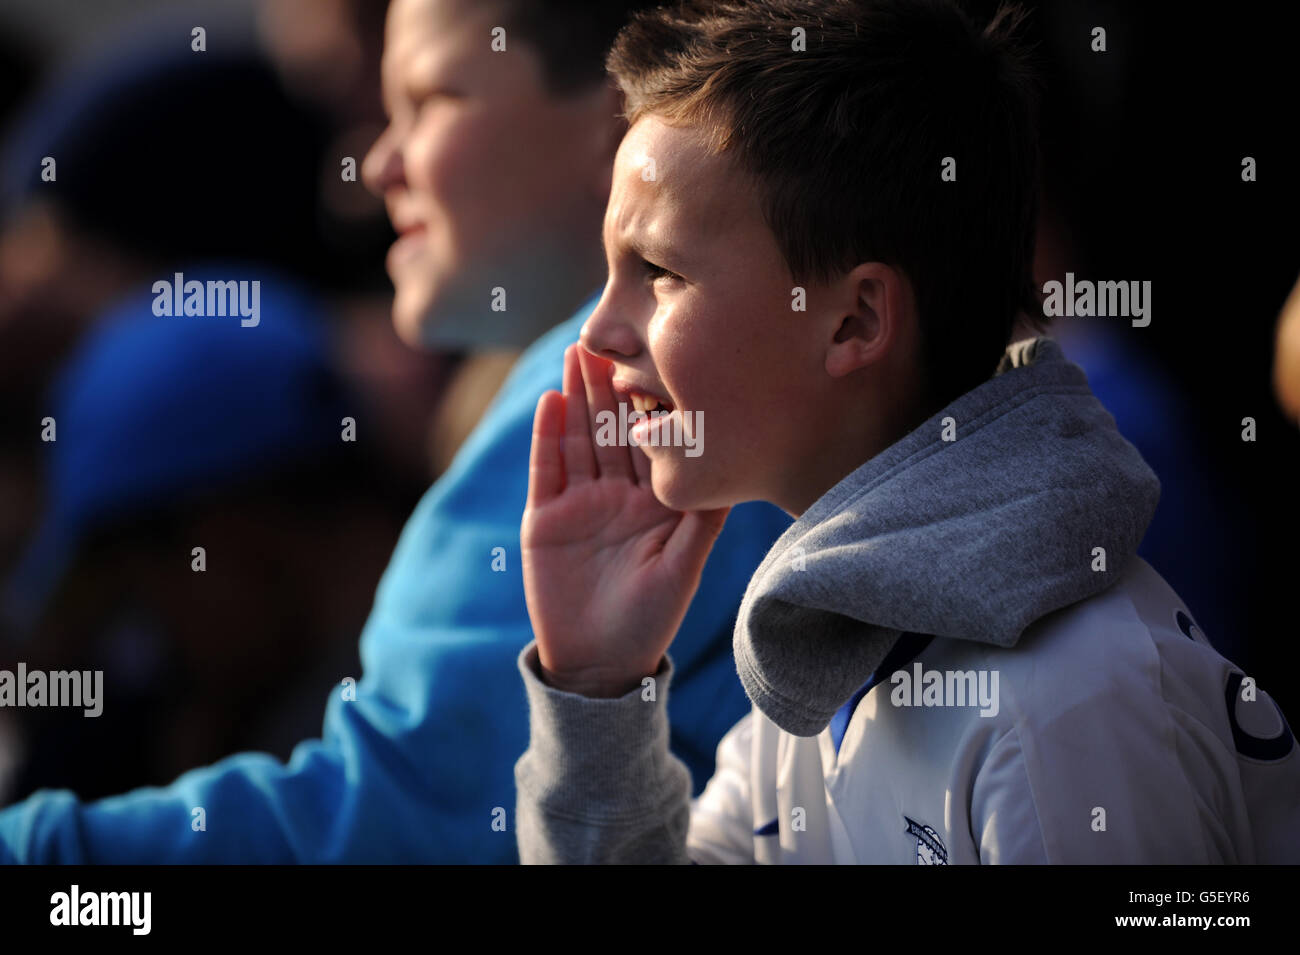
{"x":847,"y":140}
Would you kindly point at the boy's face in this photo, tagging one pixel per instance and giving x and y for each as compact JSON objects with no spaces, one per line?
{"x":489,"y":179}
{"x":716,"y":338}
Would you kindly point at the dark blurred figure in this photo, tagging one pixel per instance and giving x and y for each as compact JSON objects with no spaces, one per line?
{"x":182,"y":432}
{"x":17,"y":73}
{"x":165,"y":157}
{"x":161,"y":156}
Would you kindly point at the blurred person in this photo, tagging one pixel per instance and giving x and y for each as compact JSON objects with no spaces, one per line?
{"x":495,"y":167}
{"x":142,"y":184}
{"x":1286,"y":357}
{"x":328,"y":52}
{"x":136,"y":188}
{"x":181,"y":432}
{"x":139,"y":186}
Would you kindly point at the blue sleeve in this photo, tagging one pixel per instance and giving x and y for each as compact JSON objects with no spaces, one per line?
{"x":419,"y":767}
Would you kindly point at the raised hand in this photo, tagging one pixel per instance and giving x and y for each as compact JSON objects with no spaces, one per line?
{"x":608,"y":570}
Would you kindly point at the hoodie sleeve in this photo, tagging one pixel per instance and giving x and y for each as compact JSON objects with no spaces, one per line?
{"x":598,"y":783}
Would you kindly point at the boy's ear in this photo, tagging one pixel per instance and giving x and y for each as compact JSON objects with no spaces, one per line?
{"x":872,"y":299}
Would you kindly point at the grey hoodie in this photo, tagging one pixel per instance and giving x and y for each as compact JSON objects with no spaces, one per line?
{"x":980,"y":521}
{"x":972,"y":538}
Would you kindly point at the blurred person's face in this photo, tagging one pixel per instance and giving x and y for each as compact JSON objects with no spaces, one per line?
{"x":326,"y":50}
{"x":54,"y":273}
{"x":55,"y":277}
{"x":489,"y":179}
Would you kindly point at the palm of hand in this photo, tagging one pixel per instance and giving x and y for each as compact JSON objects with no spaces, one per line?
{"x":597,"y":555}
{"x":608,"y":570}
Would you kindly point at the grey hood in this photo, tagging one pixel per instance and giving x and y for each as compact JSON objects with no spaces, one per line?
{"x":970,"y":539}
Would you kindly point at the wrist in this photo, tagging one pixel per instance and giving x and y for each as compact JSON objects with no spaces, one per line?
{"x":594,"y":682}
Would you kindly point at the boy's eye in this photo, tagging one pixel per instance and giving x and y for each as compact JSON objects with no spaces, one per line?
{"x":659,"y":272}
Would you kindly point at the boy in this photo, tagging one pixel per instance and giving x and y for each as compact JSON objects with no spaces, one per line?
{"x":495,"y":168}
{"x":954,"y":655}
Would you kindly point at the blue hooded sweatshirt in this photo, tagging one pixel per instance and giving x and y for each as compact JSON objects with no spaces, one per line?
{"x":418,"y":767}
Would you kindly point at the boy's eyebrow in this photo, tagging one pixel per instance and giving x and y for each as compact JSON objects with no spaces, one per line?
{"x":647,"y":251}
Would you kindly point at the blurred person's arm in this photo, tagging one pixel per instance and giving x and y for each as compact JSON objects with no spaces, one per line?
{"x":408,"y":770}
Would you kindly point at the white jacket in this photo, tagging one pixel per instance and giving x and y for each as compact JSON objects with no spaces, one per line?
{"x":1120,"y":735}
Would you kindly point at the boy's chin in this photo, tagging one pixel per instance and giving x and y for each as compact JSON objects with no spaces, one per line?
{"x":675,"y":487}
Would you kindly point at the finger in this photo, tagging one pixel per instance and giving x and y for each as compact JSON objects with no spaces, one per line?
{"x":546,"y":460}
{"x":693,"y":538}
{"x":579,"y":461}
{"x":640,"y":465}
{"x":612,"y":459}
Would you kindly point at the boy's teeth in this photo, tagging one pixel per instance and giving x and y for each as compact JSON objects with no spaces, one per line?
{"x":647,"y":403}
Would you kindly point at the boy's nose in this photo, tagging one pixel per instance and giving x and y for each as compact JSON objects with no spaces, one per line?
{"x":382,"y":167}
{"x":606,"y":334}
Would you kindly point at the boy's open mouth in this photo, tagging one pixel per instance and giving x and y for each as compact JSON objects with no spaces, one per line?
{"x":648,"y":403}
{"x":640,"y":400}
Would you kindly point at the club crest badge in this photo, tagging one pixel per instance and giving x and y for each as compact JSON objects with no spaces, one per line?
{"x":930,"y":849}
